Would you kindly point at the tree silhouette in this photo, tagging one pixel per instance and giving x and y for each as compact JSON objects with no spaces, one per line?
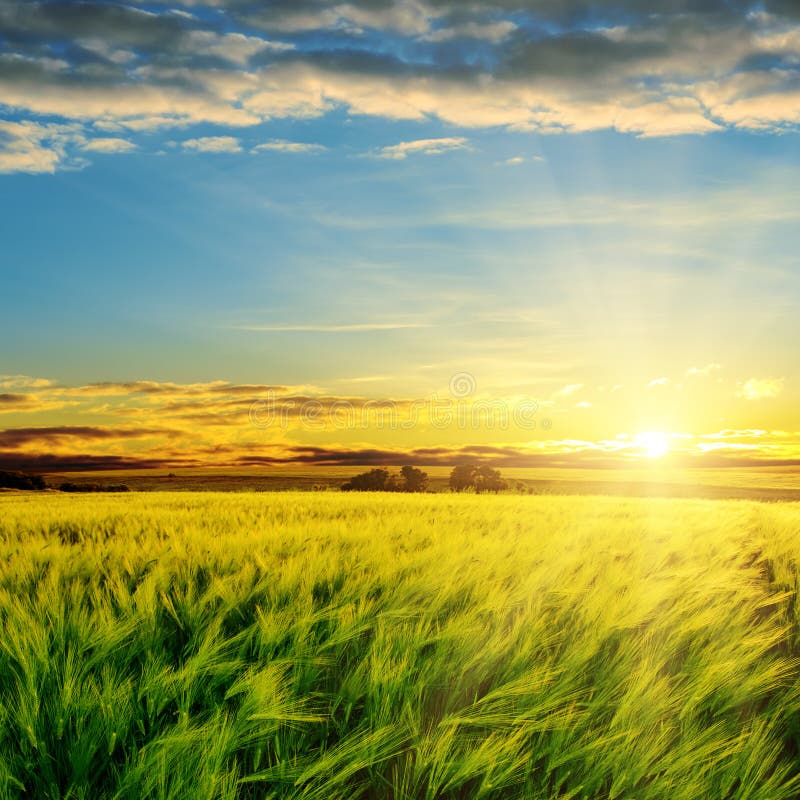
{"x":489,"y":480}
{"x":463,"y":477}
{"x":414,"y":480}
{"x":410,"y":479}
{"x":20,"y":480}
{"x":375,"y":480}
{"x":479,"y":478}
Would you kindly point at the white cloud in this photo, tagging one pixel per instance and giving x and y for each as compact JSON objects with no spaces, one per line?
{"x":728,"y":433}
{"x":516,"y":161}
{"x":33,"y":147}
{"x":148,"y":94}
{"x":23,"y":382}
{"x":545,"y":105}
{"x":657,"y":382}
{"x":155,"y":96}
{"x":760,"y":388}
{"x":426,"y":147}
{"x":670,"y":117}
{"x":213,"y":144}
{"x":568,"y":390}
{"x":109,"y":145}
{"x":367,"y":379}
{"x":703,"y":372}
{"x":493,"y":32}
{"x":234,"y":47}
{"x":284,"y":146}
{"x":102,"y":48}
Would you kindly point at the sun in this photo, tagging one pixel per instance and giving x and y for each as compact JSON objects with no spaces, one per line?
{"x":653,"y":444}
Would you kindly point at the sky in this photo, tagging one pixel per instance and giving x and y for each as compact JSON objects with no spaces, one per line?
{"x":530,"y":232}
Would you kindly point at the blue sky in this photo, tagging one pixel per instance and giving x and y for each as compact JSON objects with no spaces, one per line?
{"x":364,"y":199}
{"x":170,"y":254}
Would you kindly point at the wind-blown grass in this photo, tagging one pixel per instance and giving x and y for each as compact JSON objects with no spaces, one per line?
{"x":336,"y":646}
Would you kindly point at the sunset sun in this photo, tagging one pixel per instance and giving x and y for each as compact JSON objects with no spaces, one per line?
{"x":653,"y":444}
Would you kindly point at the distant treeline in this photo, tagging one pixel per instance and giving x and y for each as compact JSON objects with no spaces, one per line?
{"x":465,"y":477}
{"x":93,"y":487}
{"x":410,"y":479}
{"x":21,"y":480}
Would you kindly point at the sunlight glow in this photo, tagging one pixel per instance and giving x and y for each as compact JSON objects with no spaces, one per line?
{"x":653,"y":443}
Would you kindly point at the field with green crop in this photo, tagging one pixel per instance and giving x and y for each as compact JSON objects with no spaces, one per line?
{"x":326,"y":646}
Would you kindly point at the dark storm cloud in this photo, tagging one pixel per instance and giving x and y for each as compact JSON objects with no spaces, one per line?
{"x":75,"y":463}
{"x":121,"y":25}
{"x":11,"y":402}
{"x":787,"y":8}
{"x":7,"y":399}
{"x":109,"y":388}
{"x":498,"y":456}
{"x":572,"y":55}
{"x":18,"y":437}
{"x":278,"y":11}
{"x":424,"y":456}
{"x":580,"y":10}
{"x":411,"y":16}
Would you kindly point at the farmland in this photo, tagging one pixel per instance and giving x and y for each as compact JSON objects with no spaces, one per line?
{"x":650,"y":480}
{"x":321,"y":645}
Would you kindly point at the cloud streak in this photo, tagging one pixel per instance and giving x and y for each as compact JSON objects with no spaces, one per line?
{"x":213,"y":144}
{"x":109,"y":145}
{"x":284,"y":146}
{"x":19,"y":437}
{"x":358,"y":327}
{"x":424,"y":147}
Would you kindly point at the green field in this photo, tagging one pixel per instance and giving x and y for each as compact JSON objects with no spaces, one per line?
{"x":326,"y":646}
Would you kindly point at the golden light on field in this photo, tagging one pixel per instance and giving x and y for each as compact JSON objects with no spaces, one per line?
{"x":653,"y":444}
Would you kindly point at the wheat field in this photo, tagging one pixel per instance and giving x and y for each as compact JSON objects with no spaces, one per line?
{"x":323,"y":646}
